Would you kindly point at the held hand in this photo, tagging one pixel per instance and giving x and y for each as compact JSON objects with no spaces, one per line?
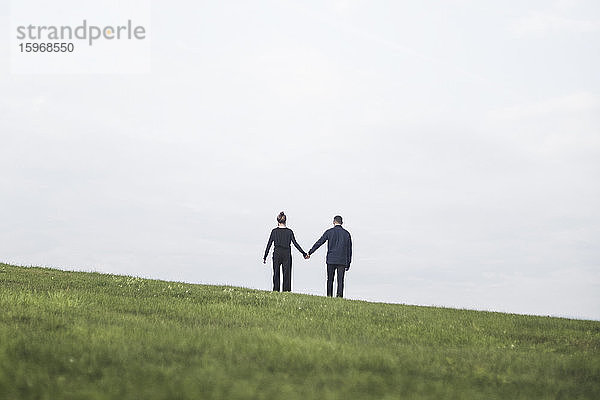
{"x":306,"y":256}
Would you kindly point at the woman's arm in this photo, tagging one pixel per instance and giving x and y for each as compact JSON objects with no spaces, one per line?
{"x":269,"y":243}
{"x":297,"y":245}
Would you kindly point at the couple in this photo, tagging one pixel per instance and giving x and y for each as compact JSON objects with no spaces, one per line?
{"x":339,"y":254}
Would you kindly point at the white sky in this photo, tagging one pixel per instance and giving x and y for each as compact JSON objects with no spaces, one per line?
{"x":460,"y":140}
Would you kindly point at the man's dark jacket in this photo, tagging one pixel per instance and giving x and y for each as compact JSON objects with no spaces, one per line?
{"x":339,"y":246}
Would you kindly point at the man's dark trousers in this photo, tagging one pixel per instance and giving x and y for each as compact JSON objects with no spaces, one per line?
{"x":283,"y":259}
{"x":341,"y":271}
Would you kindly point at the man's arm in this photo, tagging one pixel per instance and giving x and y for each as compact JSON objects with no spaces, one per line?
{"x":269,"y":243}
{"x":319,"y":243}
{"x":349,"y":251}
{"x":297,"y":245}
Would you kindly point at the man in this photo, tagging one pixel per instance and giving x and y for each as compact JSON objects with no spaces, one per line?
{"x":339,"y":254}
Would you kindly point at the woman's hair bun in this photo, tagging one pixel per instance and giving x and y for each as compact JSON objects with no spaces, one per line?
{"x":281,"y":218}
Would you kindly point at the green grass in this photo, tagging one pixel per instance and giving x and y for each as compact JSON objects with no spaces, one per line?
{"x":77,"y":335}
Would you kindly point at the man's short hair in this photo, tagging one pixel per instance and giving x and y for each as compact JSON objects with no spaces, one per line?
{"x":338,"y":219}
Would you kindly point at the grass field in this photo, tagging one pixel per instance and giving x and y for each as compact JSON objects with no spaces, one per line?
{"x":76,"y":335}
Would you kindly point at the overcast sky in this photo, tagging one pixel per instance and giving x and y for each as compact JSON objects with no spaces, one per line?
{"x":460,"y":141}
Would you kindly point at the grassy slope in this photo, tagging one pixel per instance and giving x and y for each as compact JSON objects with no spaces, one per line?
{"x":79,"y":335}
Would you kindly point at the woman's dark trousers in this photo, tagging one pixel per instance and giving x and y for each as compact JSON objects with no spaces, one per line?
{"x":283,"y":260}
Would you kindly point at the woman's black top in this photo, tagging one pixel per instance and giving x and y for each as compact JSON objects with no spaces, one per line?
{"x":282,"y":238}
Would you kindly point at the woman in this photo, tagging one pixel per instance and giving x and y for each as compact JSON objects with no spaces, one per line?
{"x":282,"y":253}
